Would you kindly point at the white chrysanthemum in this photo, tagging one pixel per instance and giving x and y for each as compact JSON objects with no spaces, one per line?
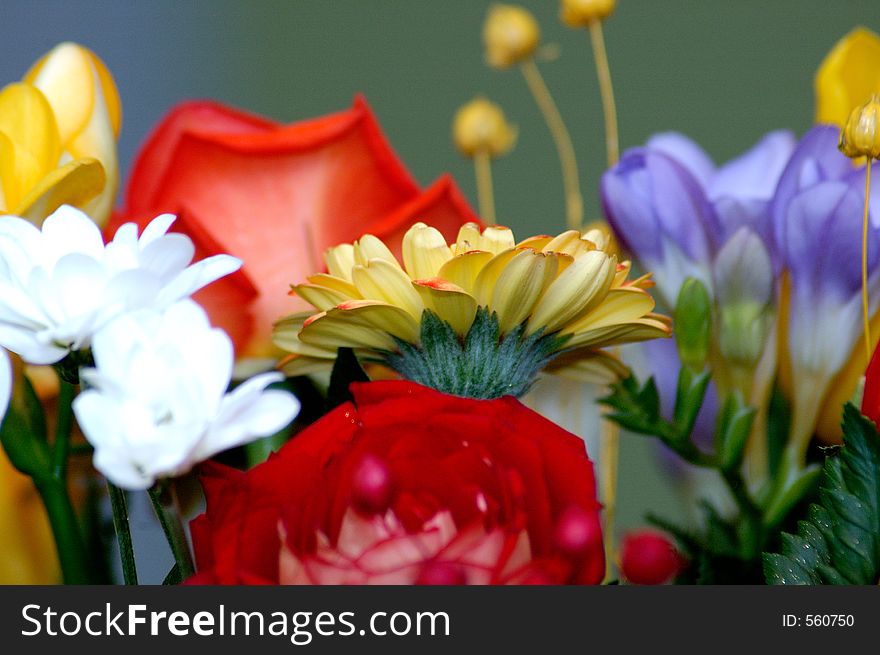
{"x":156,"y":403}
{"x":61,"y":283}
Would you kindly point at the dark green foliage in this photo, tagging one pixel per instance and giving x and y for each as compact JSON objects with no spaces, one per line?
{"x":346,"y":369}
{"x":485,"y":365}
{"x":839,"y":541}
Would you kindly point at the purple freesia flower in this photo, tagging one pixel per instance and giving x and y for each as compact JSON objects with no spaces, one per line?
{"x":660,"y":213}
{"x":740,"y":191}
{"x":817,"y":215}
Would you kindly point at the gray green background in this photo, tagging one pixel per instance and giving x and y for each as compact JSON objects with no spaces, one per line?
{"x":723,"y":71}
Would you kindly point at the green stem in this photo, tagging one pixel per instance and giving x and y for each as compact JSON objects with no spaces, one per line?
{"x":75,"y":564}
{"x":63,"y":426}
{"x":753,"y":536}
{"x":123,"y":533}
{"x":165,"y":503}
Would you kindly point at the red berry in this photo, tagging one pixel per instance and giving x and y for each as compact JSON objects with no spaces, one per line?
{"x":648,"y":558}
{"x":371,"y":486}
{"x":576,"y":531}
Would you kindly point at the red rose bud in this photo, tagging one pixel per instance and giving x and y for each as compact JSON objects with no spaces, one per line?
{"x":576,"y":532}
{"x":648,"y":557}
{"x":441,"y":573}
{"x":371,"y":486}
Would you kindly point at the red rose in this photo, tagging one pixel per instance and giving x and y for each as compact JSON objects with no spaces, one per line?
{"x":277,"y":196}
{"x":649,"y":558}
{"x":871,"y":397}
{"x":408,"y":485}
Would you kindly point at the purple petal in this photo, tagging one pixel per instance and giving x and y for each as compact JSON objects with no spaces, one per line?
{"x":755,"y":173}
{"x":686,"y":152}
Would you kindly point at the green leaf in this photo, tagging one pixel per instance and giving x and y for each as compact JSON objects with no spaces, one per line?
{"x":839,"y":542}
{"x":173,"y":577}
{"x":23,"y":433}
{"x":689,"y":397}
{"x":734,"y":425}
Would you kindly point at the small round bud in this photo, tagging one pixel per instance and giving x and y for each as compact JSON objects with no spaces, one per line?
{"x":371,"y":486}
{"x":510,"y":34}
{"x":648,"y":557}
{"x":860,"y":136}
{"x":576,"y":531}
{"x":580,"y":13}
{"x":693,"y":324}
{"x":480,"y":126}
{"x":441,"y":573}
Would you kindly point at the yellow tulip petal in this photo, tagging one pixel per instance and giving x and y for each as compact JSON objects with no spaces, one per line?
{"x":578,"y":288}
{"x":76,"y":183}
{"x":520,"y":285}
{"x":381,"y":280}
{"x":340,"y":260}
{"x":848,"y":76}
{"x":449,"y":301}
{"x":369,"y":247}
{"x":67,"y":79}
{"x":424,"y":251}
{"x":27,"y":119}
{"x":462,"y":270}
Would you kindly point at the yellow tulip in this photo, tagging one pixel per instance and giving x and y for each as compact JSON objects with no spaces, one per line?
{"x":58,"y":131}
{"x":27,"y":551}
{"x":848,"y":76}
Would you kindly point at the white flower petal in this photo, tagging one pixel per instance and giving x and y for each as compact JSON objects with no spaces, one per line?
{"x":200,"y":274}
{"x":68,"y":230}
{"x":156,"y":229}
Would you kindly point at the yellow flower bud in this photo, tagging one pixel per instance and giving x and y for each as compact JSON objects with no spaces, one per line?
{"x":580,"y":13}
{"x":510,"y":35}
{"x":58,"y":130}
{"x":480,"y":126}
{"x":860,"y":136}
{"x":849,"y":73}
{"x":88,"y":112}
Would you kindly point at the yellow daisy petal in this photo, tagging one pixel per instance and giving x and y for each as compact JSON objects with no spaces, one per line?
{"x":468,"y":239}
{"x":340,"y":260}
{"x":319,"y":296}
{"x":344,"y":287}
{"x":619,"y":306}
{"x":424,"y":251}
{"x":577,"y":289}
{"x":520,"y":285}
{"x":462,"y":270}
{"x":368,"y":248}
{"x":381,"y":280}
{"x":487,"y":278}
{"x":449,"y":301}
{"x":496,"y":239}
{"x":589,"y":366}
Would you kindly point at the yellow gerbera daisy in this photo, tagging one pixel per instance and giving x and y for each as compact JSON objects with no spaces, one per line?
{"x":479,"y":317}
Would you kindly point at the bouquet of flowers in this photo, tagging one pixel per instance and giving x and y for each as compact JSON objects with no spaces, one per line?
{"x":357,"y":373}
